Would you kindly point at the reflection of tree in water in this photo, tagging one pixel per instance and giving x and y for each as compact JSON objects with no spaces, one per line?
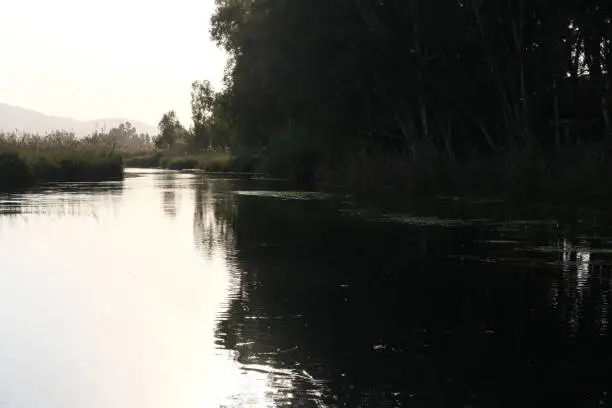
{"x":580,"y":292}
{"x":167,"y":184}
{"x":169,"y":203}
{"x":307,"y":302}
{"x":377,"y":314}
{"x":213,"y":215}
{"x":245,"y":327}
{"x":568,"y":326}
{"x":64,"y":199}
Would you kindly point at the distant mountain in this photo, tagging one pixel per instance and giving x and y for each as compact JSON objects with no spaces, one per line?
{"x":25,"y":120}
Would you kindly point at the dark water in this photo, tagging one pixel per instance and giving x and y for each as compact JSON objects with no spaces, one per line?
{"x":177,"y":290}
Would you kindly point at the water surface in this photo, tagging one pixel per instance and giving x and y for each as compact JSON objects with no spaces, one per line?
{"x":180,"y":290}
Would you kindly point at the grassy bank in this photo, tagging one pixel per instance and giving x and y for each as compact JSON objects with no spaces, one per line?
{"x":216,"y":161}
{"x":578,"y":175}
{"x":26,"y":160}
{"x":21,"y":171}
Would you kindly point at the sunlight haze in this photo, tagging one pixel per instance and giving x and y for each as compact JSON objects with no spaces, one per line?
{"x":132,"y":59}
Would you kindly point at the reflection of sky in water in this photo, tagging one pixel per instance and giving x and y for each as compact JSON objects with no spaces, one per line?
{"x":105,"y":303}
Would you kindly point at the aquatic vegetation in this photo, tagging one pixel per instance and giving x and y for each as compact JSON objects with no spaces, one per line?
{"x":14,"y":171}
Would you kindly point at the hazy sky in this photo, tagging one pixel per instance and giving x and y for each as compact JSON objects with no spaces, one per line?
{"x":106,"y":58}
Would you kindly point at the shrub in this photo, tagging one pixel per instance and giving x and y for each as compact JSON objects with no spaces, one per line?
{"x":43,"y":169}
{"x":293,"y":153}
{"x":148,"y":160}
{"x":181,"y":163}
{"x":14,"y":171}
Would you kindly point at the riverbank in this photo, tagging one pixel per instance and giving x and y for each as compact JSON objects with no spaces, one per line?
{"x":18,"y":170}
{"x":572,"y":171}
{"x":568,"y":179}
{"x":576,"y":176}
{"x":25,"y":168}
{"x":216,"y":161}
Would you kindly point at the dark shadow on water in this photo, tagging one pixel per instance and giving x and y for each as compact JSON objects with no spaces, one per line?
{"x":371,"y":313}
{"x":339,"y":304}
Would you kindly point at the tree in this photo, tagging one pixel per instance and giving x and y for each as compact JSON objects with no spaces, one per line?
{"x":123,"y":133}
{"x":383,"y":75}
{"x":171,"y":132}
{"x":202,"y":106}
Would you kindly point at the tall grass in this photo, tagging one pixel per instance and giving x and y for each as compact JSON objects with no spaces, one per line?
{"x":577,"y":176}
{"x":65,"y":143}
{"x":220,"y":160}
{"x":213,"y":161}
{"x":147,"y":160}
{"x":26,"y":159}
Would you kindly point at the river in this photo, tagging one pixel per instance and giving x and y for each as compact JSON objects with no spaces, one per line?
{"x":178,"y":290}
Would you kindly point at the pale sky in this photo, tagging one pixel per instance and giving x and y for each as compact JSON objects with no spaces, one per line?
{"x":91,"y":59}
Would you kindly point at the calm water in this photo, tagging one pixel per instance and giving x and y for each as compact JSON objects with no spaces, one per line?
{"x":177,"y":291}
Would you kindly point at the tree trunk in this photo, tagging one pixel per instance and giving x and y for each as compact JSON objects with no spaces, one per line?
{"x":487,"y":136}
{"x":556,"y":114}
{"x":513,"y":126}
{"x":446,"y":131}
{"x":518,"y":34}
{"x":421,"y":58}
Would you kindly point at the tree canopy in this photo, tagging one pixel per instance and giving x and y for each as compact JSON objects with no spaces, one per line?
{"x":462,"y":75}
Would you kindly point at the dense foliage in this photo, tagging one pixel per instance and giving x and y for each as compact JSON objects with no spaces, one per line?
{"x":209,"y":130}
{"x":457,"y":77}
{"x":26,"y":159}
{"x":124,"y":139}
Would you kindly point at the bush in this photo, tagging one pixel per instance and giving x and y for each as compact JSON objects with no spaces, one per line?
{"x":221,"y":161}
{"x":110,"y":169}
{"x":43,"y":169}
{"x":293,"y":153}
{"x":244,"y":163}
{"x":182,"y":163}
{"x":78,"y":169}
{"x":148,"y":160}
{"x":216,"y":162}
{"x":14,"y":171}
{"x":17,"y":172}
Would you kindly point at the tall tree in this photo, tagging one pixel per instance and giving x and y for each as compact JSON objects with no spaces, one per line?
{"x":461,"y":76}
{"x":202,"y":106}
{"x":170,"y":131}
